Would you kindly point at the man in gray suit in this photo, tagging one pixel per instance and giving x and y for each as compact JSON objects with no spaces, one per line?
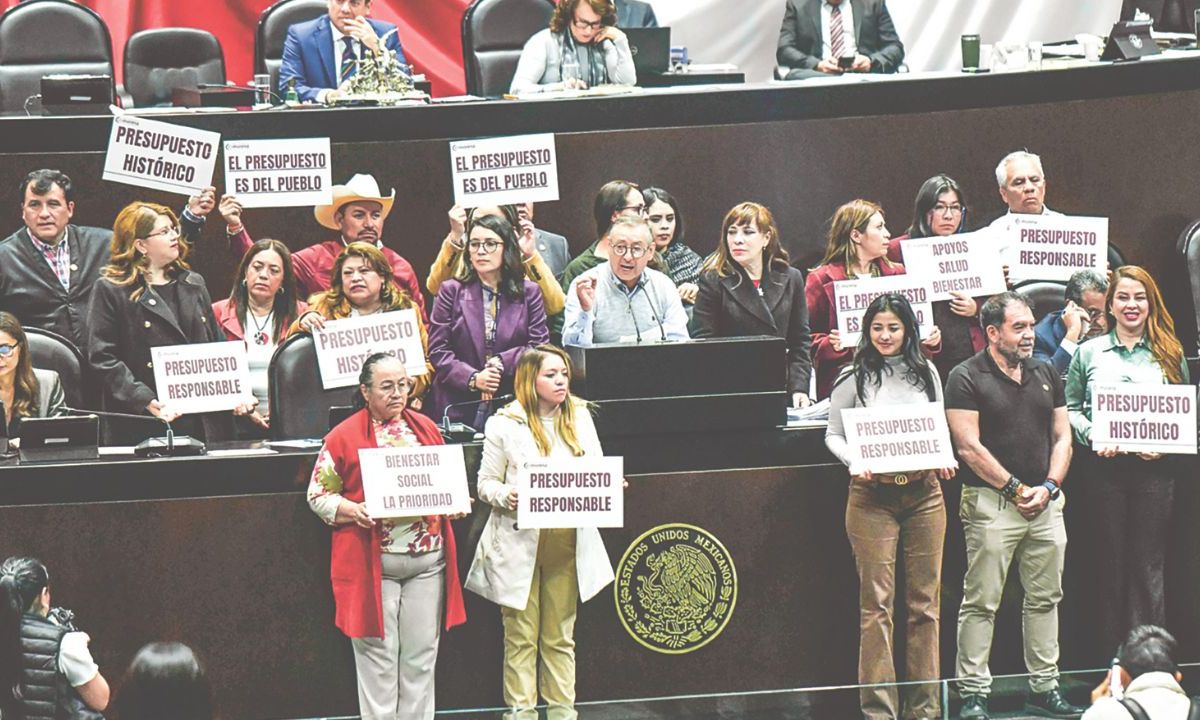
{"x":817,"y":33}
{"x":551,"y":246}
{"x":635,"y":14}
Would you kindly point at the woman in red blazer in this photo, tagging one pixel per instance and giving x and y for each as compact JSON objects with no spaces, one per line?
{"x":857,"y":248}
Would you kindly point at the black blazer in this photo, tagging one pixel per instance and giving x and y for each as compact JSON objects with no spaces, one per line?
{"x":121,"y":331}
{"x":731,"y":307}
{"x":801,"y":41}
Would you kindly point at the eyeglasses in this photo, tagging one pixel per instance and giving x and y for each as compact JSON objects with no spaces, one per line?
{"x":631,"y":251}
{"x":1094,"y":313}
{"x":639,"y":209}
{"x":6,"y":350}
{"x":168,"y":231}
{"x":388,"y":388}
{"x":484,"y":247}
{"x":585,"y":25}
{"x":941,"y":209}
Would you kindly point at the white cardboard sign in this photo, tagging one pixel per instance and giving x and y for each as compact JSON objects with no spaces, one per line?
{"x":414,"y":481}
{"x":1144,"y":418}
{"x":1054,"y":247}
{"x":583,"y":492}
{"x":898,"y":438}
{"x":342,"y":345}
{"x":967,"y":263}
{"x":159,"y":155}
{"x":853,"y":296}
{"x":279,"y":173}
{"x":203,"y":377}
{"x":504,"y":171}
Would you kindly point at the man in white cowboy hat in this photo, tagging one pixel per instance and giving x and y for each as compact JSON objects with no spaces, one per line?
{"x":357,"y":212}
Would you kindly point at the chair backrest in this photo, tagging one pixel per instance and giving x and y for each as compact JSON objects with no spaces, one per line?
{"x":161,"y":59}
{"x":51,"y":351}
{"x":272,"y":30}
{"x":46,"y":37}
{"x":1044,"y":296}
{"x":493,"y":35}
{"x":1116,"y":258}
{"x":299,"y":407}
{"x":1189,"y":247}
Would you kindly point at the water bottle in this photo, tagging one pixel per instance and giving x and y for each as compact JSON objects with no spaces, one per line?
{"x":570,"y":67}
{"x":291,"y":97}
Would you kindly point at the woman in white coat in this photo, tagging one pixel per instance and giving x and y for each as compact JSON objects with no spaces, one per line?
{"x":537,"y":576}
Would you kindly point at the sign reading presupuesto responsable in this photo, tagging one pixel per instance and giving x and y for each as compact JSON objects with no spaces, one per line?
{"x":898,"y":438}
{"x":160,"y":156}
{"x":1138,"y":417}
{"x":292,"y":172}
{"x":202,"y":377}
{"x":1055,"y":247}
{"x":504,"y":171}
{"x":414,"y":481}
{"x":584,"y":492}
{"x":342,"y":345}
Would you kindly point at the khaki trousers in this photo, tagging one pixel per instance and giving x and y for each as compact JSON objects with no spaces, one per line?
{"x":395,"y":672}
{"x":878,"y":519}
{"x":547,"y":624}
{"x":996,"y":534}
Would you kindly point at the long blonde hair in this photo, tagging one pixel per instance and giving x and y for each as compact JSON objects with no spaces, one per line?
{"x":128,"y":265}
{"x":525,"y":389}
{"x":1160,"y":327}
{"x":839,"y":248}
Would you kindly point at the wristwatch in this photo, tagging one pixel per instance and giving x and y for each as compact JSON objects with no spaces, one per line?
{"x":1052,"y":485}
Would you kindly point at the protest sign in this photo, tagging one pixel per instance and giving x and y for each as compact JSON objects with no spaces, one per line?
{"x":966,"y":263}
{"x":203,"y":377}
{"x":1135,"y":417}
{"x":853,"y":296}
{"x":582,"y":492}
{"x":898,"y":438}
{"x":504,"y":171}
{"x":159,"y":155}
{"x":279,"y":173}
{"x":342,"y":345}
{"x":1055,"y":247}
{"x":414,"y":481}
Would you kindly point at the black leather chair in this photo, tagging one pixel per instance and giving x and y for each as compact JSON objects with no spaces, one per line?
{"x":299,"y":407}
{"x":493,"y":34}
{"x":272,"y":30}
{"x":1044,"y":296}
{"x":1169,"y":15}
{"x":159,"y":60}
{"x":45,"y":37}
{"x":51,"y":351}
{"x":1189,"y":247}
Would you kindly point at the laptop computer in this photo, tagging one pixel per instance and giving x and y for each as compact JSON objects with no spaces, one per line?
{"x":77,"y":94}
{"x":651,"y":48}
{"x":58,"y":439}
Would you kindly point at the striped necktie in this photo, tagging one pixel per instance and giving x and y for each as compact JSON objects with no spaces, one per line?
{"x":836,"y":31}
{"x":348,"y":59}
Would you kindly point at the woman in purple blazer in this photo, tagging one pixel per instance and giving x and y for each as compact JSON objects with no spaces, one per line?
{"x":481,"y":322}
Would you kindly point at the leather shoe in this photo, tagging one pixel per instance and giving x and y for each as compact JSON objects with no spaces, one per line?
{"x":1052,"y":705}
{"x":974,"y":707}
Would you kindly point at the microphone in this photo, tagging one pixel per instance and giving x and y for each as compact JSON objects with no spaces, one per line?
{"x":274,"y":95}
{"x":461,"y":432}
{"x":166,"y":446}
{"x":653,"y":310}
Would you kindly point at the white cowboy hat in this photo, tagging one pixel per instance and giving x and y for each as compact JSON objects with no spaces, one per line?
{"x":360,"y":188}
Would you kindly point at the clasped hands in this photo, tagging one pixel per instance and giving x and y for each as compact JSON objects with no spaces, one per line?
{"x":861,"y":64}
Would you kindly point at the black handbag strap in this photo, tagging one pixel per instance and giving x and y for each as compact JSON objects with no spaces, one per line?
{"x":1135,"y":711}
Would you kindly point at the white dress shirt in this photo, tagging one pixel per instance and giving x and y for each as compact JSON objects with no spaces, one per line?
{"x":851,"y":43}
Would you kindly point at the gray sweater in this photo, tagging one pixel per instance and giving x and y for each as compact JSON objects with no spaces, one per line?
{"x":651,"y":311}
{"x":893,"y":390}
{"x":541,"y":62}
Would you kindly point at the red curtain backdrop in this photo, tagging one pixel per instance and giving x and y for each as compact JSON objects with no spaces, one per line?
{"x":430,"y":31}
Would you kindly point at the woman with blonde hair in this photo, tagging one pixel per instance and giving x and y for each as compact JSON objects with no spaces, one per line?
{"x":361,"y":283}
{"x":1133,"y":490}
{"x":148,"y":297}
{"x":25,"y":391}
{"x":537,"y":576}
{"x":856,"y":247}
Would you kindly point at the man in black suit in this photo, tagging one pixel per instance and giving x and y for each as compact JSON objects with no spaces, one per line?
{"x":635,"y":14}
{"x":48,"y":267}
{"x":816,"y":33}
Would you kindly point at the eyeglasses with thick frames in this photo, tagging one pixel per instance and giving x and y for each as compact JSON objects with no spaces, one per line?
{"x":585,"y":25}
{"x":6,"y":350}
{"x":484,"y":247}
{"x":631,"y":251}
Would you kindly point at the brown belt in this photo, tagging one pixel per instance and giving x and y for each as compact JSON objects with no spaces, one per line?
{"x":901,"y":479}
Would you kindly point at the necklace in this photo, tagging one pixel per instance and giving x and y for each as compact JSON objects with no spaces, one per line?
{"x":260,"y":334}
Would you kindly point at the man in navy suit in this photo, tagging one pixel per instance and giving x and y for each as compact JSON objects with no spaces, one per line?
{"x":635,"y":14}
{"x":320,"y":53}
{"x":1057,"y":336}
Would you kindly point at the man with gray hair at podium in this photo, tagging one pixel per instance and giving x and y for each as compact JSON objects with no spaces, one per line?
{"x":623,"y":300}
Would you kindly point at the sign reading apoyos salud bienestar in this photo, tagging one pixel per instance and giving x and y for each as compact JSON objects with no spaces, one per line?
{"x":342,"y":345}
{"x":414,"y":481}
{"x":1054,"y":247}
{"x":583,"y":492}
{"x":1135,"y":417}
{"x":967,"y":263}
{"x":853,"y":296}
{"x":204,"y":377}
{"x":504,"y":171}
{"x":160,"y":156}
{"x":279,"y":173}
{"x":898,"y":438}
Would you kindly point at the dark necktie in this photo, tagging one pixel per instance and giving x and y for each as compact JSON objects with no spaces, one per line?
{"x":348,"y":59}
